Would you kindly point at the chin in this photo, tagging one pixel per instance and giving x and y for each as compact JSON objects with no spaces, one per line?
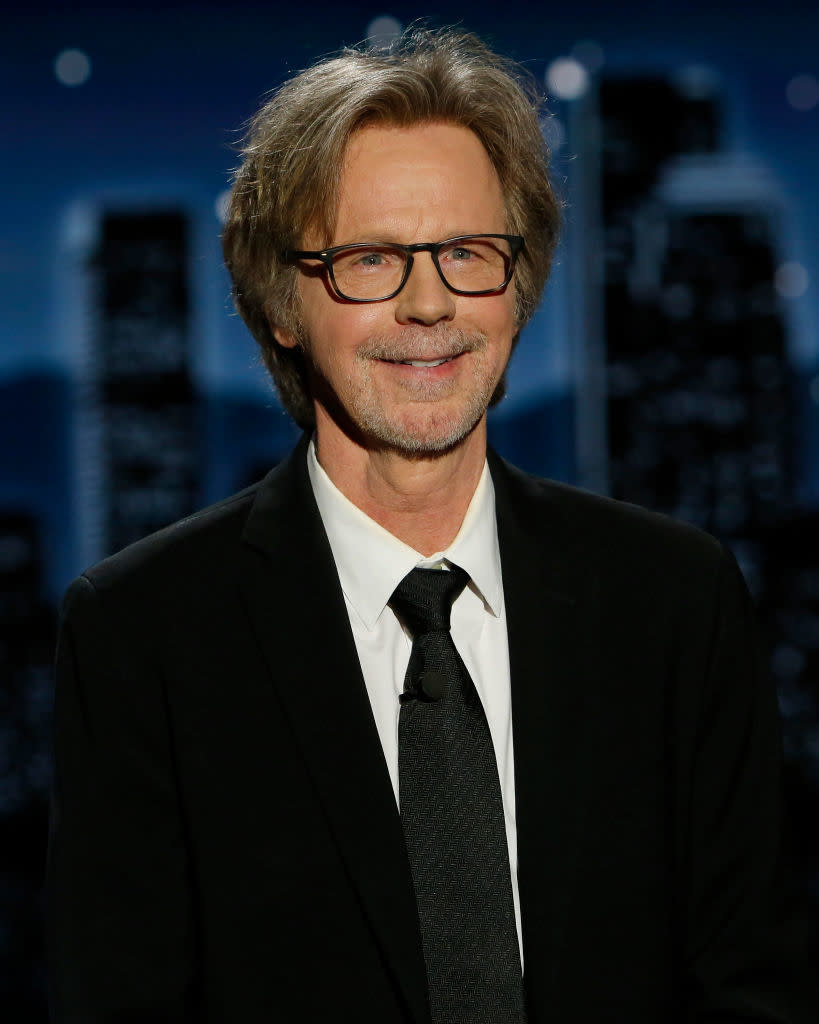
{"x":421,"y":436}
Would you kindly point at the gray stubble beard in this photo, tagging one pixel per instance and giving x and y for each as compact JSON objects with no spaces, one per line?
{"x":383,"y":431}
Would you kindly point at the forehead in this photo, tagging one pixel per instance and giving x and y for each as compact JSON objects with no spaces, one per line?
{"x":424,"y":182}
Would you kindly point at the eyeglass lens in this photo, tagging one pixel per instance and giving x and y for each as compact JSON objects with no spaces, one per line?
{"x":474,"y":264}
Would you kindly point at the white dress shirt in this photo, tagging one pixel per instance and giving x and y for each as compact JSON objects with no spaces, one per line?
{"x":371,"y":562}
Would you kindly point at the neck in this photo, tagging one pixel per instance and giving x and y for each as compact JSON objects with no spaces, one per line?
{"x":421,"y":500}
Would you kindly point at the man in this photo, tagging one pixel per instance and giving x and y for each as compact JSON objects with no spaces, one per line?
{"x":286,"y":788}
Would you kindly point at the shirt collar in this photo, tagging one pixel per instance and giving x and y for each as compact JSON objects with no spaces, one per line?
{"x":371,"y":562}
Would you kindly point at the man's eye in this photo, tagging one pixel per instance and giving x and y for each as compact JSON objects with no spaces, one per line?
{"x":461,"y":254}
{"x":365,"y":259}
{"x":371,"y":259}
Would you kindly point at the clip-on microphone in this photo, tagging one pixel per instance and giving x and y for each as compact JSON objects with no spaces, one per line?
{"x":429,"y":689}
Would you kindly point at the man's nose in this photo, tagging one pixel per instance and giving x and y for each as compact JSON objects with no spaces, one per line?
{"x":424,"y":299}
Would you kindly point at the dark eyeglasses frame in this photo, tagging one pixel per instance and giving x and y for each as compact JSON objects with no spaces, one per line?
{"x":433,"y":248}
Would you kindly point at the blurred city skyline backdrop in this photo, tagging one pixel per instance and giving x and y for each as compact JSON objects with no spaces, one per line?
{"x":141,"y":108}
{"x":674,"y":361}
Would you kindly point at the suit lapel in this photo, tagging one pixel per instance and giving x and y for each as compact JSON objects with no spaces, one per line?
{"x":291,"y":590}
{"x":292,"y":594}
{"x":552,"y":607}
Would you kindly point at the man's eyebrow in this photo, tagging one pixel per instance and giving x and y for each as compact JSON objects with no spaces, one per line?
{"x":390,"y":238}
{"x":376,"y":238}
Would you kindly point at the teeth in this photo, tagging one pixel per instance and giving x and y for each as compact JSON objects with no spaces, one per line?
{"x":424,"y":362}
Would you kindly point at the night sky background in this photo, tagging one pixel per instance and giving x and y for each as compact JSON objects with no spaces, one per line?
{"x":153,"y":120}
{"x":159,"y":116}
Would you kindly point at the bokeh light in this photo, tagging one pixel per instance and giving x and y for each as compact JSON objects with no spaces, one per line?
{"x":802,"y":92}
{"x":220,"y":205}
{"x":791,"y":280}
{"x":554,"y":133}
{"x":72,"y":67}
{"x":567,"y":78}
{"x":383,"y":30}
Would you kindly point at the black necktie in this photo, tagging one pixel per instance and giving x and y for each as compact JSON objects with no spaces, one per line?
{"x":452,"y":815}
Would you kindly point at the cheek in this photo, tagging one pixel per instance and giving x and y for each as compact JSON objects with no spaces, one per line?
{"x":336,"y":325}
{"x":361,"y":321}
{"x":497,"y":320}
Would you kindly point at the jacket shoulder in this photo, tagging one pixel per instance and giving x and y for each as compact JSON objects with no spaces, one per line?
{"x":601,"y":528}
{"x":201,"y":539}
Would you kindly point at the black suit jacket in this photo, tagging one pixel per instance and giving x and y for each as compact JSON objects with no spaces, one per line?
{"x":225,"y":841}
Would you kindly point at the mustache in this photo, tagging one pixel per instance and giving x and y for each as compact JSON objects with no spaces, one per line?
{"x":416,"y":342}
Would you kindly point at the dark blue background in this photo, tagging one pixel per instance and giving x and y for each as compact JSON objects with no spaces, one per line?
{"x":158,"y":117}
{"x":155,"y":125}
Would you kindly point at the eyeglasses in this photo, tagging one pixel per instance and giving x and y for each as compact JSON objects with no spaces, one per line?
{"x":374,"y":271}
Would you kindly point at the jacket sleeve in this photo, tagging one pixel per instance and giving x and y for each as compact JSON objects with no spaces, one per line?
{"x":744,"y":952}
{"x":118,"y":888}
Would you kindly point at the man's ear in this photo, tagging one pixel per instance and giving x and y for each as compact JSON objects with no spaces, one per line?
{"x":285,"y":337}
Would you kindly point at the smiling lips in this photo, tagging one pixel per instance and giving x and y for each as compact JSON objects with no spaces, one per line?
{"x":449,"y":343}
{"x":423,"y":362}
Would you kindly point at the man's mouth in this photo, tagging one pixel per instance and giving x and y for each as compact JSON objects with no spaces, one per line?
{"x":422,"y":362}
{"x":423,"y":349}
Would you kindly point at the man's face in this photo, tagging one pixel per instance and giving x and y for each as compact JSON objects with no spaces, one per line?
{"x":420,"y":184}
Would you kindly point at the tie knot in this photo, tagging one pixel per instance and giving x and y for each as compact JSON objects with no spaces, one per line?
{"x":424,"y":597}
